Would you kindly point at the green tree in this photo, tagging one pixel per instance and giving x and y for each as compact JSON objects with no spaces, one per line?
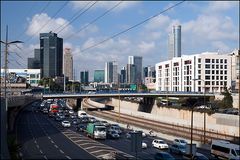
{"x":227,"y":101}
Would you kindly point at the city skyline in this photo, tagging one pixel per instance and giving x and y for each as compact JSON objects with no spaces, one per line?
{"x":219,"y":19}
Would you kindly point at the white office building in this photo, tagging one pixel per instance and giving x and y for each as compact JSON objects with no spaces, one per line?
{"x":32,"y":76}
{"x":205,"y":72}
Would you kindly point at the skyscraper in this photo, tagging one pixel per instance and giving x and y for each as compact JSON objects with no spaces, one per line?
{"x":34,"y":63}
{"x":123,"y":78}
{"x":99,"y":76}
{"x":131,"y":73}
{"x":137,"y":62}
{"x":51,"y":55}
{"x":84,"y":77}
{"x":174,"y":42}
{"x":111,"y":74}
{"x":68,"y":64}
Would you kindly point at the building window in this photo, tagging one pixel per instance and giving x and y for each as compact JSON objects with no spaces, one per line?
{"x":213,"y":66}
{"x":199,"y":60}
{"x":213,"y":60}
{"x":207,"y":65}
{"x":199,"y":71}
{"x":221,"y":72}
{"x":217,"y":72}
{"x":225,"y":72}
{"x":207,"y":77}
{"x":199,"y":82}
{"x":225,"y":60}
{"x":217,"y":83}
{"x":225,"y":83}
{"x":207,"y":82}
{"x":221,"y":82}
{"x":213,"y":72}
{"x":207,"y":71}
{"x":199,"y":65}
{"x":217,"y":60}
{"x":207,"y":60}
{"x":221,"y":66}
{"x":221,"y":77}
{"x":217,"y":78}
{"x":225,"y":66}
{"x":213,"y":83}
{"x":199,"y":77}
{"x":225,"y":77}
{"x":213,"y":77}
{"x":217,"y":66}
{"x":221,"y":60}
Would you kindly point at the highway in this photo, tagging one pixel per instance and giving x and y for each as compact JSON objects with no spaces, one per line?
{"x":41,"y":137}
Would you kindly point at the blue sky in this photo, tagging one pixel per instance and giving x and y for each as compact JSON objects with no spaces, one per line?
{"x":206,"y":26}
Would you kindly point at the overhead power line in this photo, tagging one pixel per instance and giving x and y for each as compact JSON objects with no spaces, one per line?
{"x":77,"y":17}
{"x":102,"y":15}
{"x":134,"y":26}
{"x":55,"y":14}
{"x":42,"y":10}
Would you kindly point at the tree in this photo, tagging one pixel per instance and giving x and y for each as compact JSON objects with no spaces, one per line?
{"x":227,"y":101}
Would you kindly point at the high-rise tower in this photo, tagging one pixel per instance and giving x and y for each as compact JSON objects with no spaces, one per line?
{"x":68,"y":64}
{"x":174,"y":42}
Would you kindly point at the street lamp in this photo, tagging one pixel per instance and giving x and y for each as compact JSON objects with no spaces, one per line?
{"x":204,"y":113}
{"x":6,"y":62}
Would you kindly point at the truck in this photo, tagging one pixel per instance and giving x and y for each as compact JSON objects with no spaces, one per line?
{"x":96,"y":131}
{"x":53,"y":108}
{"x":188,"y":154}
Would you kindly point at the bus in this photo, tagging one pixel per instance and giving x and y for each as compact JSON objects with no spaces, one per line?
{"x":225,"y":150}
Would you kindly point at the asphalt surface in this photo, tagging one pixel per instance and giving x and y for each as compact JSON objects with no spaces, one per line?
{"x":42,"y":137}
{"x":39,"y":139}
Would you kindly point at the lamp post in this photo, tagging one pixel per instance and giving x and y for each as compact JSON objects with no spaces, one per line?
{"x":6,"y":63}
{"x":204,"y":113}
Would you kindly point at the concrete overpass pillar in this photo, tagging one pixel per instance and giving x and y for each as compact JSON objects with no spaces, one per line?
{"x":146,"y":105}
{"x":79,"y":103}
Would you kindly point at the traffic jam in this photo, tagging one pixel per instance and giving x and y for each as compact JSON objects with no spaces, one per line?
{"x":112,"y":134}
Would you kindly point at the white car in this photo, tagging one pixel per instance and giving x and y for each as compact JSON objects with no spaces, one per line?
{"x":180,"y":142}
{"x":66,"y":124}
{"x":158,"y":143}
{"x":71,"y":111}
{"x":144,"y":145}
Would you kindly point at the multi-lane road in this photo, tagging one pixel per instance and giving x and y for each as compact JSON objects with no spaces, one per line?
{"x":42,"y":137}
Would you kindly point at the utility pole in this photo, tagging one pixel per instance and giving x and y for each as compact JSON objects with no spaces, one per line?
{"x":6,"y":63}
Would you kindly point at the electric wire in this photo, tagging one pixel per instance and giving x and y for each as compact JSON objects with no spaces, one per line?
{"x":134,"y":26}
{"x":102,"y":15}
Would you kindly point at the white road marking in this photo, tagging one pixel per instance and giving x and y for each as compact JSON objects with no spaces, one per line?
{"x":40,"y":151}
{"x":101,"y":150}
{"x":45,"y":157}
{"x":68,"y":157}
{"x":90,"y":147}
{"x":37,"y":146}
{"x":61,"y":151}
{"x":49,"y":137}
{"x":35,"y":141}
{"x":55,"y":146}
{"x":52,"y":141}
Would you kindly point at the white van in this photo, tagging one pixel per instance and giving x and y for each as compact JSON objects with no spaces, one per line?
{"x":225,"y":150}
{"x":82,"y":114}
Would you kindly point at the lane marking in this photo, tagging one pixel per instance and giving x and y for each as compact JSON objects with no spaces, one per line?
{"x":52,"y":141}
{"x":45,"y":157}
{"x":40,"y":151}
{"x":37,"y":146}
{"x":68,"y":157}
{"x":90,"y":147}
{"x":55,"y":146}
{"x":49,"y":137}
{"x":61,"y":151}
{"x":101,"y":150}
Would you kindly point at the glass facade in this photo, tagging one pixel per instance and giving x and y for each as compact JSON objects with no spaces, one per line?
{"x":99,"y":76}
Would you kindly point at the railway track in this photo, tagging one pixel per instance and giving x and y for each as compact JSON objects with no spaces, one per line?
{"x":166,"y":128}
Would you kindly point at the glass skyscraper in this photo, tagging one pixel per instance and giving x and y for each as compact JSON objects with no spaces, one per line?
{"x":137,"y":62}
{"x":84,"y":77}
{"x":111,"y":73}
{"x":51,"y":55}
{"x":99,"y":76}
{"x":34,"y":63}
{"x":174,"y":42}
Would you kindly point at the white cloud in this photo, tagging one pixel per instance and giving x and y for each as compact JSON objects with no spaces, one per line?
{"x":41,"y":23}
{"x":220,"y":46}
{"x":158,"y":23}
{"x":219,"y":6}
{"x":145,"y":47}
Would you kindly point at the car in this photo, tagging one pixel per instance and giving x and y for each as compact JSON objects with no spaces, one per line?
{"x":57,"y":118}
{"x":179,"y":149}
{"x":163,"y":156}
{"x":128,"y":135}
{"x":199,"y":156}
{"x":45,"y":110}
{"x":160,"y":144}
{"x":73,"y":116}
{"x":105,"y":123}
{"x":92,"y":119}
{"x":81,"y":127}
{"x":115,"y":128}
{"x":75,"y":121}
{"x":180,"y":142}
{"x":84,"y":120}
{"x":113,"y":134}
{"x":144,"y":145}
{"x":70,"y":111}
{"x":66,"y":124}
